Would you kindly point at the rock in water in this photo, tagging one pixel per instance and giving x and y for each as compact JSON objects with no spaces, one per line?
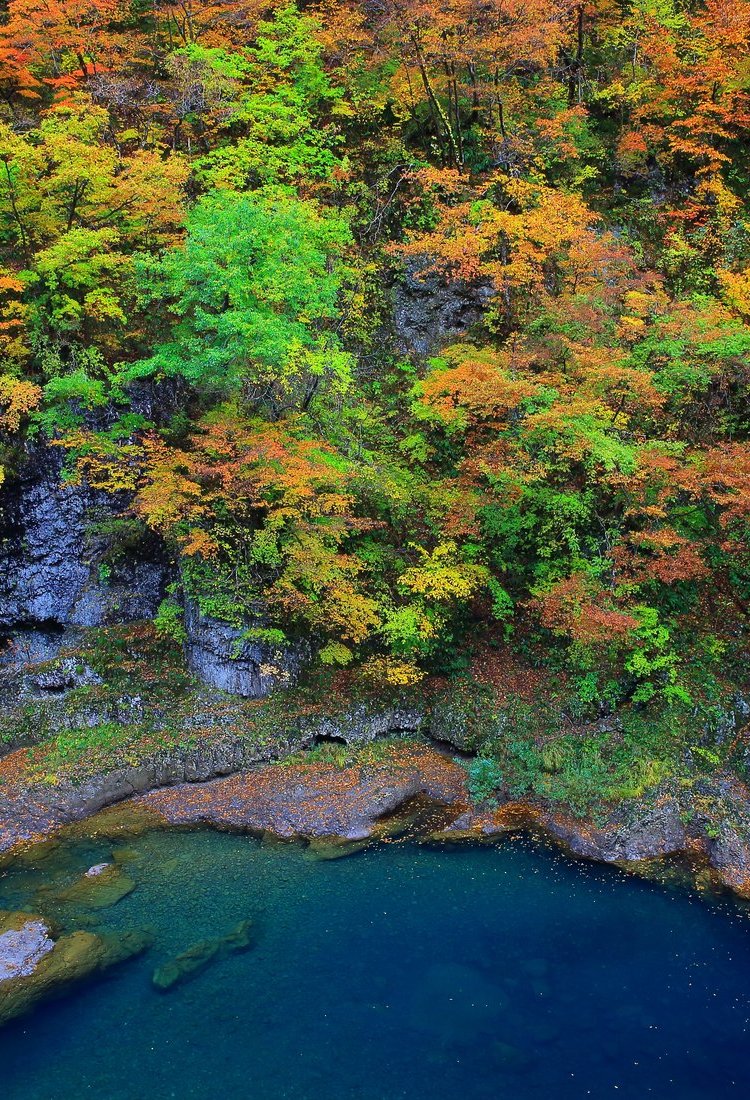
{"x":97,"y":869}
{"x":35,"y":966}
{"x":101,"y":887}
{"x":334,"y":847}
{"x":190,"y":962}
{"x":24,"y":942}
{"x":240,"y":938}
{"x":200,"y":955}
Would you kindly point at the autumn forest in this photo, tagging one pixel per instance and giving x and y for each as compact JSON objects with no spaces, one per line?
{"x":206,"y":210}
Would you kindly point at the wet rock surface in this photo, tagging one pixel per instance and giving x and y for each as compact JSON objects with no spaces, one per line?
{"x":651,"y":831}
{"x":224,"y":779}
{"x":710,"y":826}
{"x":49,"y":574}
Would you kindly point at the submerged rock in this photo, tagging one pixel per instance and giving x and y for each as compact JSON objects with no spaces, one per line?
{"x":510,"y":1058}
{"x":35,"y":966}
{"x":200,"y":955}
{"x":326,"y":848}
{"x":454,"y":1003}
{"x":101,"y":887}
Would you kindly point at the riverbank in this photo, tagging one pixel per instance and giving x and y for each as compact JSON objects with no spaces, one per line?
{"x":118,"y":722}
{"x":370,"y":790}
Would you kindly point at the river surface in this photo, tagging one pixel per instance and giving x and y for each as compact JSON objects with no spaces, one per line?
{"x":474,"y":973}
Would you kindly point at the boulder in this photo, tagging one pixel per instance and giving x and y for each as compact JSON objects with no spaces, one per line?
{"x":35,"y":966}
{"x":101,"y":887}
{"x":24,"y":941}
{"x":224,"y":657}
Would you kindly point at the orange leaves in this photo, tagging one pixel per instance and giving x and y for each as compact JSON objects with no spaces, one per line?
{"x":261,"y":502}
{"x":464,"y":49}
{"x":476,"y":387}
{"x":15,"y":73}
{"x":725,"y":475}
{"x":659,"y":554}
{"x":199,"y":542}
{"x":626,"y":391}
{"x":104,"y":463}
{"x":661,"y":476}
{"x":17,"y":398}
{"x":580,"y":609}
{"x":167,"y":494}
{"x":527,"y":240}
{"x":690,"y":96}
{"x":256,"y":465}
{"x":51,"y":32}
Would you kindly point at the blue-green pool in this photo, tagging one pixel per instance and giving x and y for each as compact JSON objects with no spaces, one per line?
{"x":404,"y":971}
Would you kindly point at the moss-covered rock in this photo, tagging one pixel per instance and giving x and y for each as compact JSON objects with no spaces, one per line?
{"x":35,"y":966}
{"x":325,"y":848}
{"x":101,"y":887}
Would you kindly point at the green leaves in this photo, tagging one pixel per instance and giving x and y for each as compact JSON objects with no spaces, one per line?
{"x":256,"y":295}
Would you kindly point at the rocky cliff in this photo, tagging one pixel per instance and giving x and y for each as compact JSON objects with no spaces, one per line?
{"x":55,"y":571}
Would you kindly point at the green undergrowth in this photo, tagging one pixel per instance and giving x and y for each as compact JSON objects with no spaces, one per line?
{"x":341,"y":755}
{"x":545,"y":746}
{"x":533,"y":744}
{"x":621,"y":759}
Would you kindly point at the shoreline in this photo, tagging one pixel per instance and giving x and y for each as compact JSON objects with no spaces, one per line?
{"x":373,"y":793}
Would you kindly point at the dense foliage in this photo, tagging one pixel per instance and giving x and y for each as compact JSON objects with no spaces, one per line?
{"x":215,"y":198}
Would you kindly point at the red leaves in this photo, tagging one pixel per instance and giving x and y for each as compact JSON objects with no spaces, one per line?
{"x":582,"y":610}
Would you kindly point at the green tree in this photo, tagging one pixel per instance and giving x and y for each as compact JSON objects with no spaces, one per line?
{"x":255,"y":295}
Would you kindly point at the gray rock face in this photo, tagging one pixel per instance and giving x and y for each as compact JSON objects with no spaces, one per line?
{"x":31,"y":645}
{"x":219,"y":655}
{"x":22,"y":948}
{"x":726,"y":812}
{"x":64,"y":676}
{"x":429,"y":311}
{"x":49,"y":556}
{"x":651,"y":832}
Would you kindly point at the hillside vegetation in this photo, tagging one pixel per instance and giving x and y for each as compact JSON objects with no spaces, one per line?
{"x":217,"y":201}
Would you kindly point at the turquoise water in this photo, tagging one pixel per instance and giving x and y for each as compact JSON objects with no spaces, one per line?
{"x":404,"y":971}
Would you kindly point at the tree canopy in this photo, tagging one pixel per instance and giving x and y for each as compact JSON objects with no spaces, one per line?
{"x":226,"y":198}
